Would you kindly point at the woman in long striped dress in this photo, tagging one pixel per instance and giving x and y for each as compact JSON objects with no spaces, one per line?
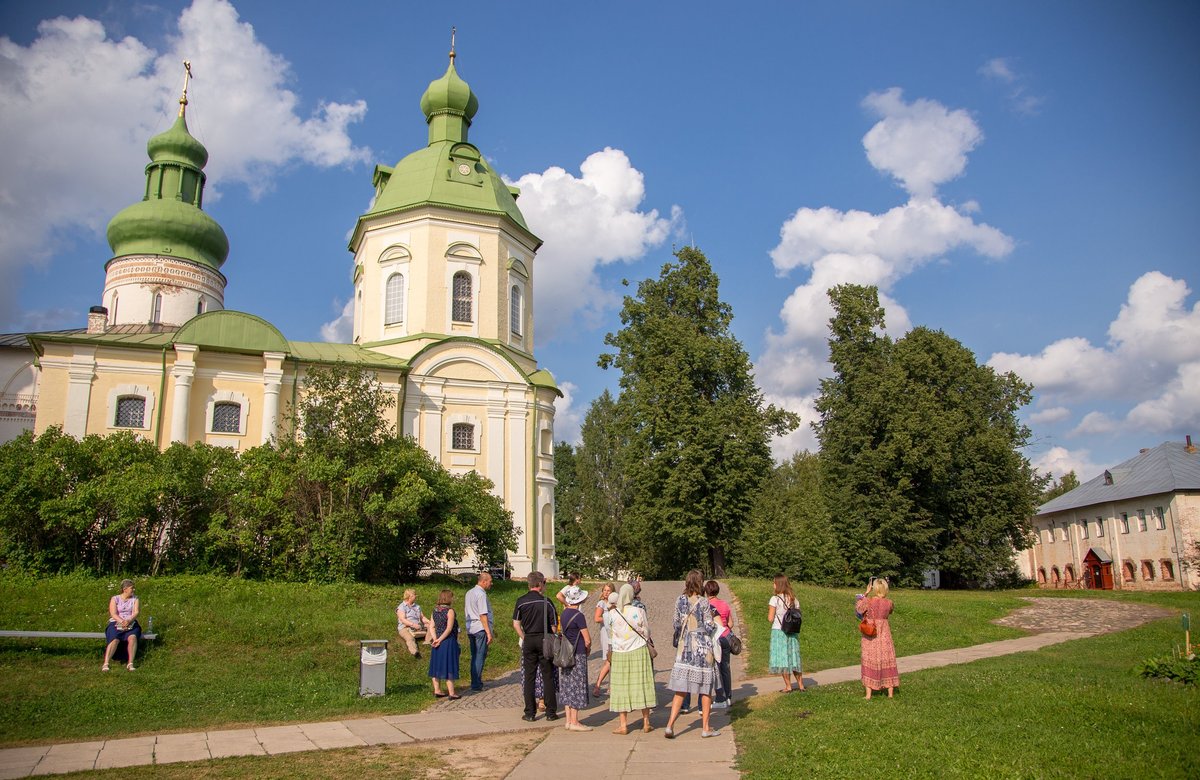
{"x":878,"y":652}
{"x":631,"y":686}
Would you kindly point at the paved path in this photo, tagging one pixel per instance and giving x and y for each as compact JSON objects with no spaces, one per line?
{"x":498,"y":710}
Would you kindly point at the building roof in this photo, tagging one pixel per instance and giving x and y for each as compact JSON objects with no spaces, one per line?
{"x":1167,"y":468}
{"x":449,"y":172}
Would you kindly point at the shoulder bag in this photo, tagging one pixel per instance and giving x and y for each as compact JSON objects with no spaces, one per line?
{"x":552,"y":641}
{"x":792,"y":618}
{"x":649,"y":644}
{"x":564,"y":650}
{"x":865,"y":625}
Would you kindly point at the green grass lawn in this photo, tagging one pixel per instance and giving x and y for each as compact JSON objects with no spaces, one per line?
{"x":229,"y":652}
{"x":1078,"y":709}
{"x":924,"y":621}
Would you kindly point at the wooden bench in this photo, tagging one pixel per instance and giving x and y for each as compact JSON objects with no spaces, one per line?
{"x":147,"y":636}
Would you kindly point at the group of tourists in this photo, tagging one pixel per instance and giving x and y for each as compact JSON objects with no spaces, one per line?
{"x":618,"y":624}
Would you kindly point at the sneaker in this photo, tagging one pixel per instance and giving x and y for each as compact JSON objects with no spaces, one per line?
{"x":684,"y":710}
{"x":720,"y":705}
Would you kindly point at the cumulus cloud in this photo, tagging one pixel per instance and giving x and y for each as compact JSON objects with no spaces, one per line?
{"x":568,"y":418}
{"x":340,"y":329}
{"x":587,"y":221}
{"x":1054,"y":414}
{"x":77,"y":107}
{"x":1058,"y":461}
{"x":922,"y":144}
{"x":1151,"y":364}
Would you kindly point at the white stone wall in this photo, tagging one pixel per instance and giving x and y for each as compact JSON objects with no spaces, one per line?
{"x":185,"y":289}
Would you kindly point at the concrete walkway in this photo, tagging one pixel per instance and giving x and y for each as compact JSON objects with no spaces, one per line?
{"x":634,"y":755}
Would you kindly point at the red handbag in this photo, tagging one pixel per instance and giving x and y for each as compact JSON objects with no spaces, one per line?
{"x":866,"y":627}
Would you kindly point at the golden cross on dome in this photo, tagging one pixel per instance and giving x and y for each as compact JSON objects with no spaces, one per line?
{"x":187,"y":74}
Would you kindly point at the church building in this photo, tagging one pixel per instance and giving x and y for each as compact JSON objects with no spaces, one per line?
{"x":443,"y":317}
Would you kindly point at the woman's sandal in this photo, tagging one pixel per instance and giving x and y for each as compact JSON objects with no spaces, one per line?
{"x":454,"y":697}
{"x":104,"y":668}
{"x":713,"y":733}
{"x":440,"y":695}
{"x":129,"y":666}
{"x":669,"y":734}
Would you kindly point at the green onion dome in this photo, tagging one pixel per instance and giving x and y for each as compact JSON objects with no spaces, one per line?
{"x":449,"y":95}
{"x":169,"y":221}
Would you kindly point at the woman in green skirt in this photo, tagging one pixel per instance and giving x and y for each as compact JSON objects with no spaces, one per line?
{"x":631,"y":686}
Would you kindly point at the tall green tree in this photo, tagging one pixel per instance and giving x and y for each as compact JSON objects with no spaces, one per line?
{"x":790,"y":530}
{"x":921,"y":451}
{"x":605,"y":490}
{"x":697,"y":424}
{"x":1059,"y":487}
{"x":568,"y":546}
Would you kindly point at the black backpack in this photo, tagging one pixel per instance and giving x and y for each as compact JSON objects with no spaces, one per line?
{"x":791,"y":620}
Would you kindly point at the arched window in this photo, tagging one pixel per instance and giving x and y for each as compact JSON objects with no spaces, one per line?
{"x":1127,"y":571}
{"x":393,"y":307}
{"x":1055,"y":576}
{"x":1148,"y":570}
{"x":515,"y":310}
{"x":227,"y":417}
{"x":156,"y":312}
{"x":1168,"y":569}
{"x":1069,"y":573}
{"x":462,"y":436}
{"x":131,"y":412}
{"x":114,"y":309}
{"x":200,"y":306}
{"x":461,"y":310}
{"x":1042,"y":575}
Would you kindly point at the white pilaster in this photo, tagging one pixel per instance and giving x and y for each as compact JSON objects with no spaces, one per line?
{"x":272,"y":382}
{"x":182,"y":372}
{"x":79,"y":391}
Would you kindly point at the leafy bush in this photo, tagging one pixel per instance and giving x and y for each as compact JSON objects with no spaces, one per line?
{"x":1183,"y":670}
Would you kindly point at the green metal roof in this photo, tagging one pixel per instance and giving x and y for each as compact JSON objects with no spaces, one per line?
{"x":543,"y":378}
{"x":325,"y":352}
{"x":231,"y":331}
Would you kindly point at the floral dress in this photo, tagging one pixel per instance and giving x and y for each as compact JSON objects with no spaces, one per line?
{"x":878,"y":653}
{"x":694,"y":672}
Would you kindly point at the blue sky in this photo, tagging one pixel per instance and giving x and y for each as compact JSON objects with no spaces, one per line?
{"x":1020,"y":174}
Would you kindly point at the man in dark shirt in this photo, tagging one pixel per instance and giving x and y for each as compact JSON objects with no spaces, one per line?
{"x":533,"y":617}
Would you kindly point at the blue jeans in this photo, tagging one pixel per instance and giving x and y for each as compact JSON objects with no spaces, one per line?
{"x":479,"y":648}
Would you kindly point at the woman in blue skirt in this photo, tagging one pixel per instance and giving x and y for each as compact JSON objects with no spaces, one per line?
{"x":443,"y":658}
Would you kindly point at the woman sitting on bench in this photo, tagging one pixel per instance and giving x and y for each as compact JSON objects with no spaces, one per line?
{"x":122,"y":624}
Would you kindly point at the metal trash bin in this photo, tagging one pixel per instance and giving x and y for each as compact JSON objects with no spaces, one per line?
{"x":372,"y":668}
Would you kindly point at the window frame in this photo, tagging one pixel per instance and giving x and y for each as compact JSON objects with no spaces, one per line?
{"x":468,"y":301}
{"x":455,"y":428}
{"x":227,"y":397}
{"x":116,"y":421}
{"x":393,"y":300}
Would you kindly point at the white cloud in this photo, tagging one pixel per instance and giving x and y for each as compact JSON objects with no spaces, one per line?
{"x":998,"y":68}
{"x":1094,"y":423}
{"x":921,"y":143}
{"x":77,"y":108}
{"x":340,"y":329}
{"x":586,"y":222}
{"x":1054,"y":414}
{"x":1152,"y":360}
{"x":804,"y":437}
{"x":568,"y":419}
{"x":1001,"y":70}
{"x":1058,"y":461}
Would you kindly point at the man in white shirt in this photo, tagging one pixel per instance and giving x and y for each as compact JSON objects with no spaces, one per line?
{"x":479,"y":627}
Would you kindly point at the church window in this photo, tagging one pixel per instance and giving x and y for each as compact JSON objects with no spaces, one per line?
{"x":1160,"y":519}
{"x":227,"y":417}
{"x":1055,"y":577}
{"x":461,"y":311}
{"x":1069,"y":573}
{"x":1127,"y":571}
{"x":1168,"y":570}
{"x":1083,"y":529}
{"x":514,"y":314}
{"x":156,"y":313}
{"x":1147,"y":570}
{"x":1141,"y":519}
{"x":131,"y":412}
{"x":114,"y":309}
{"x":1124,"y":522}
{"x":1042,"y":575}
{"x":200,"y":307}
{"x":1066,"y":532}
{"x":393,"y":307}
{"x":1099,"y":526}
{"x":462,"y":436}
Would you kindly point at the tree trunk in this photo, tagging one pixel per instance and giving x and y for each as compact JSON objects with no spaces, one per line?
{"x":716,"y":561}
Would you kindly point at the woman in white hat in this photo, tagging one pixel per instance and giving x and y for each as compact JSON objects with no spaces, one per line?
{"x":573,"y":682}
